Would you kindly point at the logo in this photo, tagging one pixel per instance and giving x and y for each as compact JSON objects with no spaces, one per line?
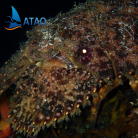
{"x":15,"y":20}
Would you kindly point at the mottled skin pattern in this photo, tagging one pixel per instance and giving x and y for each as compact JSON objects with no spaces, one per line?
{"x":87,"y":51}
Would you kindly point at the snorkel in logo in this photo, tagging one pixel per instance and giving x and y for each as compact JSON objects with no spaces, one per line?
{"x":15,"y":20}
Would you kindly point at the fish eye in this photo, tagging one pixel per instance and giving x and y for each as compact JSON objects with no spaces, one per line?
{"x":83,"y":51}
{"x":84,"y":54}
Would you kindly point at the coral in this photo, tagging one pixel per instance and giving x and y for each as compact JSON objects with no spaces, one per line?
{"x":4,"y":108}
{"x":5,"y":129}
{"x":113,"y":120}
{"x":77,"y":56}
{"x":115,"y":111}
{"x":134,"y":122}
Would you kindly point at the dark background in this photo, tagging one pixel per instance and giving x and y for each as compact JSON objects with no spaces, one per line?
{"x":10,"y":40}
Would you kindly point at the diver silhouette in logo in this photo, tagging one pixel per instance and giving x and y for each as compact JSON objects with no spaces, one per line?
{"x":15,"y":20}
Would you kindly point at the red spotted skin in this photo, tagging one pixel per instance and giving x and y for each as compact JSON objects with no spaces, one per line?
{"x":85,"y":52}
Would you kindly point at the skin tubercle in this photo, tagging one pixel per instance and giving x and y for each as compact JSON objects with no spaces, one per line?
{"x":84,"y":53}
